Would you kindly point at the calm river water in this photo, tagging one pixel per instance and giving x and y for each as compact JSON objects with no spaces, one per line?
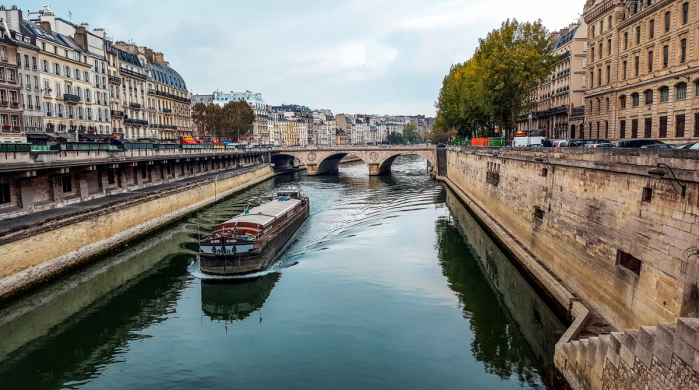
{"x":389,"y":285}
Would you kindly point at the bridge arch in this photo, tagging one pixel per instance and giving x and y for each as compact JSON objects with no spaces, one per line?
{"x":378,"y":159}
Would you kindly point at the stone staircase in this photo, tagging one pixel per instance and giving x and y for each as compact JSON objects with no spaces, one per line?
{"x":655,"y":357}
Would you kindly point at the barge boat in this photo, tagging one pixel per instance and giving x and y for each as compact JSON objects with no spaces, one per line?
{"x":249,"y":242}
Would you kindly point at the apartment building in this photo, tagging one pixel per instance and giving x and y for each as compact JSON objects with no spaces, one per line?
{"x":559,"y":100}
{"x":642,"y":70}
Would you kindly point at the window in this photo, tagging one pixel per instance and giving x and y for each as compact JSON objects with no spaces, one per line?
{"x":609,"y":74}
{"x":648,"y":125}
{"x":593,"y":31}
{"x":634,"y":128}
{"x":682,"y":91}
{"x":4,"y":193}
{"x":629,"y":262}
{"x":635,"y":98}
{"x":609,"y":47}
{"x":638,"y":35}
{"x":67,"y":184}
{"x":651,"y":29}
{"x":648,"y":96}
{"x":622,"y":129}
{"x":592,"y":79}
{"x":679,"y":126}
{"x":636,"y":65}
{"x":592,"y":54}
{"x":696,"y":125}
{"x":626,"y":40}
{"x":650,"y":61}
{"x":662,"y":129}
{"x":599,"y":77}
{"x":110,"y":176}
{"x":647,"y":194}
{"x":607,"y":104}
{"x":623,"y":71}
{"x":606,"y":129}
{"x":666,"y":56}
{"x":685,"y":13}
{"x":622,"y":101}
{"x":664,"y":94}
{"x":667,"y":21}
{"x":600,"y":50}
{"x":683,"y":50}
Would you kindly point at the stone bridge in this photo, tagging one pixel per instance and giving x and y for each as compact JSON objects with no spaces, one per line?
{"x":321,"y":160}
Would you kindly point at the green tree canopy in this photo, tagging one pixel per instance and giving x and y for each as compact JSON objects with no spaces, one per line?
{"x":411,"y":135}
{"x":495,"y":86}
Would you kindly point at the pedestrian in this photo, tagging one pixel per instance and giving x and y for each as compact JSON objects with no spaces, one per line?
{"x":547,"y":143}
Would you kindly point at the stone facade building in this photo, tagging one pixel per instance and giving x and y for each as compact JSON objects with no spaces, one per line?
{"x":559,"y":106}
{"x":642,"y":70}
{"x":11,"y":112}
{"x":130,"y":107}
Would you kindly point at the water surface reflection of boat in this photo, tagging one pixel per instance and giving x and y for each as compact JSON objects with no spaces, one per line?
{"x":226,"y":301}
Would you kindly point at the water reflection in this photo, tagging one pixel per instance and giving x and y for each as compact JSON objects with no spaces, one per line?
{"x":235,"y":301}
{"x":515,"y":332}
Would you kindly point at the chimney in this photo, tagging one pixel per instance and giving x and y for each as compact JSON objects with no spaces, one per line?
{"x":149,"y":54}
{"x":80,"y":37}
{"x":46,"y":26}
{"x":159,"y":58}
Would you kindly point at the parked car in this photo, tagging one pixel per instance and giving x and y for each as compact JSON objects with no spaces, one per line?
{"x":694,"y":146}
{"x":659,"y":146}
{"x":636,"y":143}
{"x":441,"y":146}
{"x":607,"y":145}
{"x":579,"y":143}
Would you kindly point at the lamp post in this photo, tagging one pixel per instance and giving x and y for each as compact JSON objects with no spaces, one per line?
{"x":660,"y":173}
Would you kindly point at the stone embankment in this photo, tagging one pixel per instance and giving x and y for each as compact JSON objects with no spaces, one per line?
{"x":608,"y":241}
{"x":44,"y":245}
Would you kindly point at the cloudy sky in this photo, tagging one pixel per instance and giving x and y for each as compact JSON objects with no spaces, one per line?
{"x":352,"y":56}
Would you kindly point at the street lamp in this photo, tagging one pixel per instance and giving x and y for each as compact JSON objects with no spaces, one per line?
{"x":660,"y":173}
{"x":545,"y":160}
{"x":682,"y":76}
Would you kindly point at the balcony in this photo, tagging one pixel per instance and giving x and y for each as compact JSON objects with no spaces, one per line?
{"x":167,"y":110}
{"x":577,"y":111}
{"x":4,"y":103}
{"x":135,"y":106}
{"x":151,"y":91}
{"x":117,"y":114}
{"x":14,"y":104}
{"x":71,"y":99}
{"x":127,"y":72}
{"x":115,"y":80}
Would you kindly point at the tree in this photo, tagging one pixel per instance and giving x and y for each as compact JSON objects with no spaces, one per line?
{"x":494,"y":87}
{"x":395,"y":138}
{"x":237,"y":119}
{"x":213,"y":121}
{"x":411,"y":135}
{"x":198,"y":119}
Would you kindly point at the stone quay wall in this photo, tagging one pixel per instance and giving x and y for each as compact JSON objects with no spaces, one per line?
{"x":618,"y":239}
{"x":606,"y":239}
{"x":35,"y":253}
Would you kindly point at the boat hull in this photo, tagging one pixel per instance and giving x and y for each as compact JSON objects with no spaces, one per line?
{"x":216,"y":264}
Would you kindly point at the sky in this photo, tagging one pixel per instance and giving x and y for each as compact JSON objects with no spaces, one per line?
{"x":384,"y":57}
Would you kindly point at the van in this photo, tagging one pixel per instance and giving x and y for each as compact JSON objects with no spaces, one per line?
{"x":528,"y":141}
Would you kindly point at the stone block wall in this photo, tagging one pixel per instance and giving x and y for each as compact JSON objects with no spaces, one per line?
{"x":659,"y":357}
{"x":585,"y":218}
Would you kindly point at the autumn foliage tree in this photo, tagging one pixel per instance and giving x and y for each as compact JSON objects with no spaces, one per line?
{"x":494,"y":87}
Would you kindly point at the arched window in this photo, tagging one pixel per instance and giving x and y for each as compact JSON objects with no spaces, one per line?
{"x":648,"y":96}
{"x":681,"y":91}
{"x":664,"y":94}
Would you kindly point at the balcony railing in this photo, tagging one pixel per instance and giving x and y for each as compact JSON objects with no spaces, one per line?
{"x":71,"y":99}
{"x":117,"y":114}
{"x":135,"y":106}
{"x":14,"y":104}
{"x":577,"y":111}
{"x":151,"y":91}
{"x":167,"y":110}
{"x":115,"y":80}
{"x":128,"y":72}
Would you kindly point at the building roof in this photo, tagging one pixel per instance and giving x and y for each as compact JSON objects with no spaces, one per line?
{"x":565,"y":38}
{"x":129,"y":58}
{"x":166,"y":75}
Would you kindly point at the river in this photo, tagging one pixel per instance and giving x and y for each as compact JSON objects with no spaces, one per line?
{"x":390,"y":284}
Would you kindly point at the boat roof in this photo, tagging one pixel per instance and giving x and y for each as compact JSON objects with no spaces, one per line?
{"x":266,"y":213}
